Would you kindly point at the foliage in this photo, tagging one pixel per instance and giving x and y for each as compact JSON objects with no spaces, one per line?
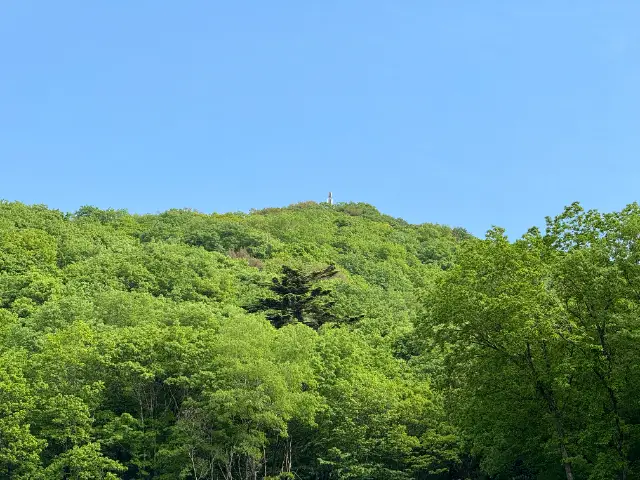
{"x":297,"y":300}
{"x":196,"y":346}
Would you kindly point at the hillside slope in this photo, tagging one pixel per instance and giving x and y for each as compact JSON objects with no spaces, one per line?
{"x":128,"y":351}
{"x":316,"y":342}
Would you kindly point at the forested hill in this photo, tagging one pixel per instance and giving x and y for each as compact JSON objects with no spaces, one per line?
{"x":316,"y":342}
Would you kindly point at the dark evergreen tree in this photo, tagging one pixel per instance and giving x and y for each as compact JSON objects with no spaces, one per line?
{"x":298,"y":298}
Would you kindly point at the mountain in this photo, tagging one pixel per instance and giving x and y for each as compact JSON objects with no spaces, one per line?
{"x":316,"y":341}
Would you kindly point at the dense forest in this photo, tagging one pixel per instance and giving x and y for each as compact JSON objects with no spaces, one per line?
{"x":316,"y":342}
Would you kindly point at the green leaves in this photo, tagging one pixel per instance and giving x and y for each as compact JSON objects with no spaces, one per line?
{"x":126,"y":351}
{"x":541,"y":328}
{"x":299,"y":298}
{"x":19,"y":449}
{"x":84,"y":462}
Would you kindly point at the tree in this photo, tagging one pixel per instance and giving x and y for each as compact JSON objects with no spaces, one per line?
{"x":597,"y":281}
{"x":503,"y":329}
{"x":19,"y":448}
{"x":84,"y":462}
{"x":298,"y":298}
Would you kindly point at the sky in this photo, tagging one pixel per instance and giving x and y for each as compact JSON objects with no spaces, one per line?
{"x":466,"y":113}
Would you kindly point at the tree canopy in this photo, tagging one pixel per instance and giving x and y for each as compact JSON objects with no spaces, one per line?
{"x":202,"y":347}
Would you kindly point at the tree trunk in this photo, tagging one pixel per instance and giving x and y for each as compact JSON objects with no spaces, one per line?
{"x":565,"y":460}
{"x":264,"y":457}
{"x":552,"y":406}
{"x":286,"y":462}
{"x":553,"y":409}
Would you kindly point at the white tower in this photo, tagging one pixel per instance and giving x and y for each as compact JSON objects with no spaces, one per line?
{"x":330,"y":199}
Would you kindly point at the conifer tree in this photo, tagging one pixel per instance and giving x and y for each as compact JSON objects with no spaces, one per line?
{"x":298,"y":298}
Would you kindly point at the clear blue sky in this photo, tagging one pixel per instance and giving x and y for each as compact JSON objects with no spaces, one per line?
{"x":469,"y":113}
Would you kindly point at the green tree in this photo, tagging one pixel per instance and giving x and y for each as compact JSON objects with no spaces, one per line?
{"x":19,"y":448}
{"x":84,"y":462}
{"x":298,"y":298}
{"x":504,"y":330}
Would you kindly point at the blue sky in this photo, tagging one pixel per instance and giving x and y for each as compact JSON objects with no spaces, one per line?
{"x":468,"y":113}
